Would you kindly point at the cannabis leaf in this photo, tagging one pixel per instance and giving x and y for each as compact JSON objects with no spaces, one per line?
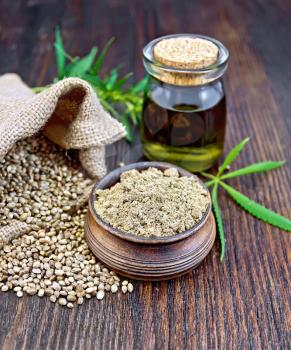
{"x":218,"y":218}
{"x":258,"y":210}
{"x":120,"y":98}
{"x":232,"y":155}
{"x":60,"y":54}
{"x":78,"y":67}
{"x":254,"y":168}
{"x":253,"y":208}
{"x":99,"y":62}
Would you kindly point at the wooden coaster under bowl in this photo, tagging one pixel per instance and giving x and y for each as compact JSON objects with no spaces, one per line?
{"x":147,"y":258}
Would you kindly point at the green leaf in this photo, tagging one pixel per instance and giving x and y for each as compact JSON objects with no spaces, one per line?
{"x":123,"y":80}
{"x":60,"y":53}
{"x":38,"y":89}
{"x":254,"y":168}
{"x":258,"y":210}
{"x":110,"y":109}
{"x":124,"y":104}
{"x":101,"y":57}
{"x":140,"y":86}
{"x":94,"y":80}
{"x":82,"y":65}
{"x":218,"y":217}
{"x":125,"y":121}
{"x":232,"y":155}
{"x":111,"y":80}
{"x":133,"y":118}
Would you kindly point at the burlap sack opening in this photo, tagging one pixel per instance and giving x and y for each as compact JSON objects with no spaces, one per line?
{"x":69,"y":113}
{"x":65,"y":112}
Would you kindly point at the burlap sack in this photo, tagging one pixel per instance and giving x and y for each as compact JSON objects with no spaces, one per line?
{"x":68,"y":112}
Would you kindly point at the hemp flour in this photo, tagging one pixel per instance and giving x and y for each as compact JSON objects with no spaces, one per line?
{"x":152,"y":202}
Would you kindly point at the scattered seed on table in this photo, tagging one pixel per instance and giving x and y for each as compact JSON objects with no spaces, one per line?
{"x":100,"y":294}
{"x":114,"y":288}
{"x":53,"y":298}
{"x":80,"y":300}
{"x":38,"y":183}
{"x":62,"y":301}
{"x":130,"y":287}
{"x":40,"y":293}
{"x":19,"y":294}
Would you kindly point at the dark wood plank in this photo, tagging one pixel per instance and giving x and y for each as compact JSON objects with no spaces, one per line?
{"x":241,"y":303}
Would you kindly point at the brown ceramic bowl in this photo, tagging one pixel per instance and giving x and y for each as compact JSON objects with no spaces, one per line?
{"x":147,"y":258}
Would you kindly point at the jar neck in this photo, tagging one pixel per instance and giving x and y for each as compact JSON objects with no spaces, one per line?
{"x":201,"y":96}
{"x":154,"y":80}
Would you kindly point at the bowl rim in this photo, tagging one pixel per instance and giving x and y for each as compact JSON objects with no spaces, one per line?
{"x":112,"y":177}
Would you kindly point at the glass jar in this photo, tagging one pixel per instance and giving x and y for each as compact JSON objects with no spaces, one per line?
{"x":184,"y":113}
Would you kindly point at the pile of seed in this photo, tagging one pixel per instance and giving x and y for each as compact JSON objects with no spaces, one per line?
{"x":153,"y":202}
{"x":40,"y":186}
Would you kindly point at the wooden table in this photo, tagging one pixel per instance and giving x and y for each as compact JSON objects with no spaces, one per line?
{"x":241,"y":303}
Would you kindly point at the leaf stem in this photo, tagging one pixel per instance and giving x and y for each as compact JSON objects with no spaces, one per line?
{"x":208,"y":176}
{"x":218,"y":217}
{"x":209,"y":183}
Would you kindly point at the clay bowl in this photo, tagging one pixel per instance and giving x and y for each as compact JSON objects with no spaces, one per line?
{"x":146,"y":258}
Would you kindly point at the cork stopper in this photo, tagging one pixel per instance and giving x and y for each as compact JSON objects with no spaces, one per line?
{"x":185,"y":53}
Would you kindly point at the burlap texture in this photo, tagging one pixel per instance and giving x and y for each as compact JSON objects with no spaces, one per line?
{"x":13,"y":230}
{"x":68,"y":112}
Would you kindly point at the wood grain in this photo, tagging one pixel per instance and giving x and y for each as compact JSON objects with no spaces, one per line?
{"x":242,"y":303}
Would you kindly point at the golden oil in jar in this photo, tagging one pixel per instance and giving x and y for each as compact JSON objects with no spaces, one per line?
{"x":184,"y":113}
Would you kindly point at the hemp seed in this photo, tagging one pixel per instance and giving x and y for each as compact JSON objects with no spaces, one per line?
{"x":114,"y":288}
{"x":100,"y":295}
{"x":62,"y":301}
{"x":130,"y":287}
{"x":19,"y":294}
{"x":52,"y":259}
